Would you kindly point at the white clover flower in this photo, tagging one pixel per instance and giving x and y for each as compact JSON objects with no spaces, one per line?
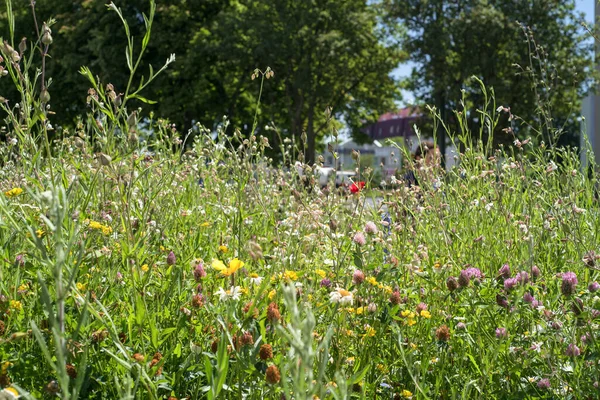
{"x":341,"y":296}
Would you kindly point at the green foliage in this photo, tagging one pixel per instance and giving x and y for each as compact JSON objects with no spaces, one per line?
{"x":326,"y":53}
{"x":535,"y":56}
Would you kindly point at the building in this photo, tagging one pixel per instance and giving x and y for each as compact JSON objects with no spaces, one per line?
{"x":377,"y":155}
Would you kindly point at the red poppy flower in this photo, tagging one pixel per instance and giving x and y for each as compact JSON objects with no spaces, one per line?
{"x":357,"y":187}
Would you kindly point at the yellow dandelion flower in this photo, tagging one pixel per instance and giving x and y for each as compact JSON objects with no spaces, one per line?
{"x":223,"y":249}
{"x":16,"y":304}
{"x":425,"y":314}
{"x":321,"y":273}
{"x":272,"y":294}
{"x":290,"y":275}
{"x":145,"y":268}
{"x":406,"y":393}
{"x":14,"y":192}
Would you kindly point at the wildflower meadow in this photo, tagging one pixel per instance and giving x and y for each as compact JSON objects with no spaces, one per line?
{"x":138,"y":261}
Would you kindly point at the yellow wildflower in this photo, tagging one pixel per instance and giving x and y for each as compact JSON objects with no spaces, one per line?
{"x":272,"y":294}
{"x":360,"y":310}
{"x":80,"y":286}
{"x":16,"y":304}
{"x":410,"y":322}
{"x":321,"y":273}
{"x":13,"y":192}
{"x":350,"y":360}
{"x":106,"y":230}
{"x":22,"y":288}
{"x":234,"y":265}
{"x":218,"y":265}
{"x":5,"y":366}
{"x":223,"y":249}
{"x":350,"y":310}
{"x":406,"y":393}
{"x":405,"y":313}
{"x":12,"y":391}
{"x":244,"y":291}
{"x":413,"y":346}
{"x":388,"y":289}
{"x":370,"y":331}
{"x":145,"y":268}
{"x":372,"y":280}
{"x":40,"y":233}
{"x":205,"y":224}
{"x":349,"y":332}
{"x":290,"y":275}
{"x":425,"y":314}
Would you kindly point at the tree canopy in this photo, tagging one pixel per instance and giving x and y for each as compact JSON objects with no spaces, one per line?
{"x":534,"y":54}
{"x":326,"y":54}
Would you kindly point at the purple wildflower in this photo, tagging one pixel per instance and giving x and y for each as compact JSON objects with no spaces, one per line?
{"x":171,"y":259}
{"x":371,"y":228}
{"x":510,"y":283}
{"x":501,"y":333}
{"x":593,"y":287}
{"x":569,"y":281}
{"x":464,"y":279}
{"x":501,"y":301}
{"x":522,"y":277}
{"x":543,"y":384}
{"x":451,"y":283}
{"x":358,"y":277}
{"x":528,"y":298}
{"x":504,"y":271}
{"x":20,"y":260}
{"x":325,"y":283}
{"x":199,"y":272}
{"x":359,"y":239}
{"x":572,"y":351}
{"x":535,"y":272}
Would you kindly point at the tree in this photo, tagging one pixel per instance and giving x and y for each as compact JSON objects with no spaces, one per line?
{"x":326,"y":54}
{"x":533,"y":54}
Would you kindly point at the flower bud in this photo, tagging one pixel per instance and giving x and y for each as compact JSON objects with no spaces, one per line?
{"x":45,"y":96}
{"x":23,"y":45}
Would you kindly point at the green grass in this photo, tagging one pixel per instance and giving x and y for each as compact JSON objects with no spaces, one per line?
{"x":124,"y":277}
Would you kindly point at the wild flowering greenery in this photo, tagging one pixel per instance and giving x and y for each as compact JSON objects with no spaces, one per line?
{"x":133,"y":266}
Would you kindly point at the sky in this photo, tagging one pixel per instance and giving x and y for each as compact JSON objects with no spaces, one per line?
{"x":584,"y":6}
